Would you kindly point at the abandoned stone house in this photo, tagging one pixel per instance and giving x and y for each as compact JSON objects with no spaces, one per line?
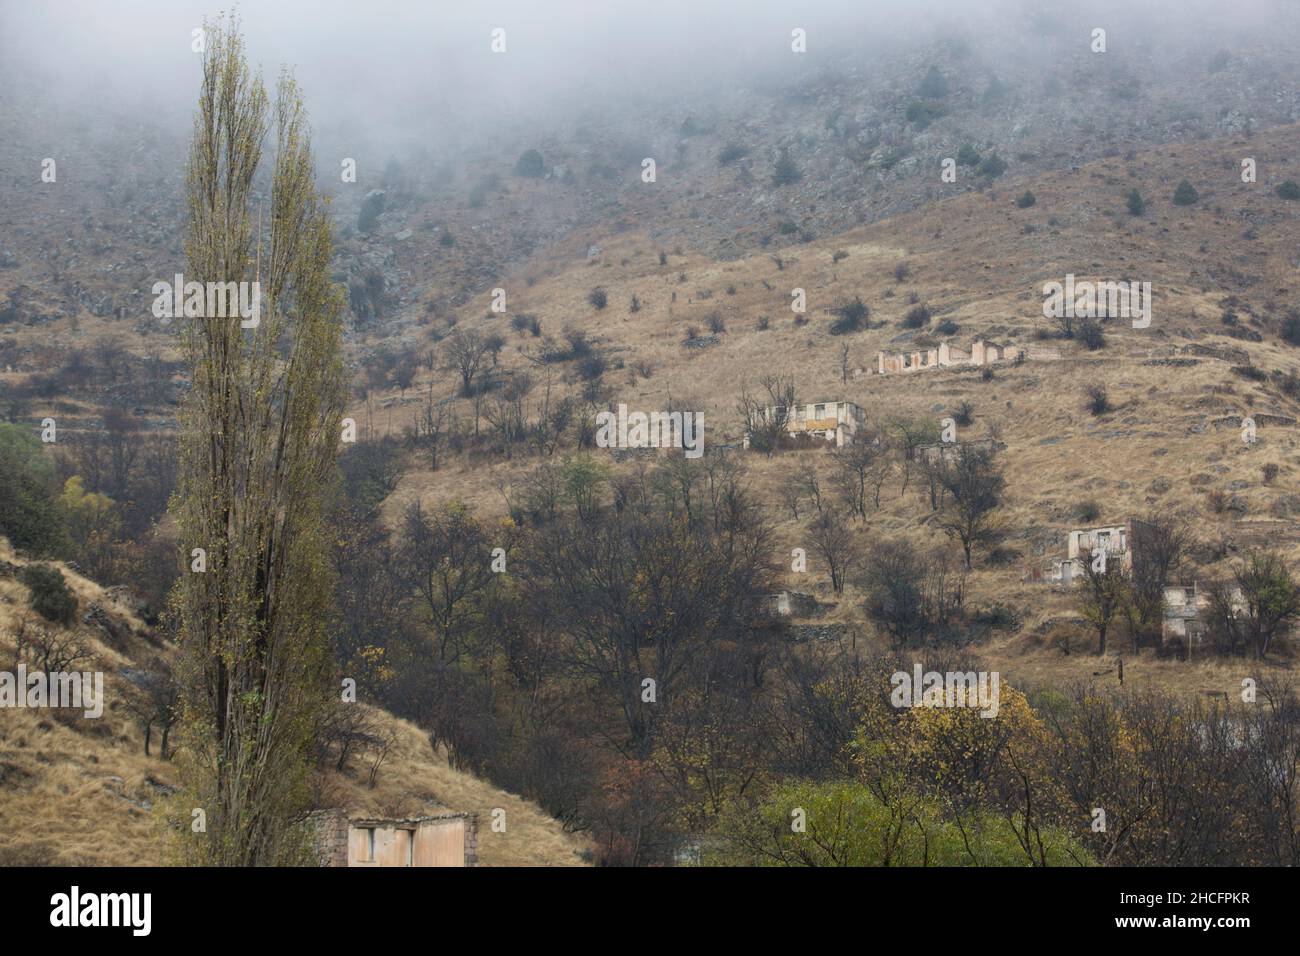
{"x":835,"y":422}
{"x":1113,"y":539}
{"x":981,"y":353}
{"x":945,"y":355}
{"x":1183,"y":618}
{"x":443,"y":839}
{"x":1186,"y":607}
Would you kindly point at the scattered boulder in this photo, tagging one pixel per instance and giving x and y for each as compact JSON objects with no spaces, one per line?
{"x":97,"y":617}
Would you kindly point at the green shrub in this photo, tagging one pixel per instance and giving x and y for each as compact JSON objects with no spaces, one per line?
{"x":850,"y":317}
{"x":28,"y":854}
{"x":1186,"y":194}
{"x":1136,"y":204}
{"x":968,"y":156}
{"x":29,"y":490}
{"x":849,"y":825}
{"x":934,"y":86}
{"x":925,"y":112}
{"x":1251,"y":372}
{"x":1291,"y":327}
{"x":992,"y":166}
{"x":892,"y":157}
{"x":371,"y":208}
{"x":592,"y":366}
{"x":1089,"y":332}
{"x":917,"y":317}
{"x":1027,"y":200}
{"x":1098,"y":400}
{"x":1289,"y":190}
{"x":785,"y":171}
{"x":531,"y":164}
{"x":50,"y":597}
{"x":579,"y":344}
{"x":730,"y":153}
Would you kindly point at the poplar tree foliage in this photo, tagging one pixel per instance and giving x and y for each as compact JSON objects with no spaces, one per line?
{"x":258,"y":454}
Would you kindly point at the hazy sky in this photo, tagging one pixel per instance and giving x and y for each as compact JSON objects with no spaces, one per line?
{"x":378,"y":54}
{"x":395,"y":66}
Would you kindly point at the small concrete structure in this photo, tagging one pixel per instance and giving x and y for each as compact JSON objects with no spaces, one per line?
{"x":796,"y":604}
{"x":835,"y":422}
{"x":951,"y":451}
{"x":443,"y":839}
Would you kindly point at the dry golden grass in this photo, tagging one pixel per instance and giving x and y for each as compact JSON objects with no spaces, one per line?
{"x":972,"y":261}
{"x":81,"y":792}
{"x":76,"y":791}
{"x":1028,"y":667}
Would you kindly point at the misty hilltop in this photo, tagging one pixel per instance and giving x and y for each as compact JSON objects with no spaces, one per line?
{"x":629,"y":429}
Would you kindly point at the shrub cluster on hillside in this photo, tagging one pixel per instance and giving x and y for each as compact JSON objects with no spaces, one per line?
{"x":850,"y":317}
{"x":50,"y":595}
{"x":530,"y":164}
{"x":29,"y":490}
{"x":1185,"y":194}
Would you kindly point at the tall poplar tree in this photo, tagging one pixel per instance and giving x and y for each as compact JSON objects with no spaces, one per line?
{"x":260,"y":432}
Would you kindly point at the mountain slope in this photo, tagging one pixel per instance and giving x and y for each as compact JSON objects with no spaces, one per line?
{"x":1178,"y":388}
{"x":80,"y":791}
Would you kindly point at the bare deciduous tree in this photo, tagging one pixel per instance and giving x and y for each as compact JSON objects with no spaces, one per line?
{"x":835,"y":543}
{"x":466,"y":351}
{"x":153,"y":699}
{"x":862,"y":469}
{"x":450,"y":556}
{"x":767,"y":422}
{"x":45,"y":650}
{"x":1158,"y":545}
{"x":973,"y":483}
{"x":1105,"y":592}
{"x":911,"y":435}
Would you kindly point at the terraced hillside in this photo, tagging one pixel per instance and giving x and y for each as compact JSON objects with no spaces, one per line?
{"x":1222,"y":275}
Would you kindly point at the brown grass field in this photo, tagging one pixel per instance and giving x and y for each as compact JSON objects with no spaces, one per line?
{"x":980,"y":261}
